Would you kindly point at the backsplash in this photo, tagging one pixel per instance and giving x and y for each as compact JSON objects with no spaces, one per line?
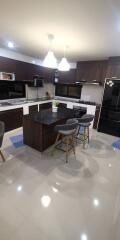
{"x":32,"y":92}
{"x":92,"y":93}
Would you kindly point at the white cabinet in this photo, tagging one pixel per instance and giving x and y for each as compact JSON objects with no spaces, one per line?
{"x":69,"y":105}
{"x":25,"y":110}
{"x":90,"y":108}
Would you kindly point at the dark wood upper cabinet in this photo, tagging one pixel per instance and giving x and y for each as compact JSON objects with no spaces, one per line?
{"x":48,"y":74}
{"x":25,"y":71}
{"x":86,"y":70}
{"x":92,"y":70}
{"x":113,"y":69}
{"x":67,"y":77}
{"x":22,"y":70}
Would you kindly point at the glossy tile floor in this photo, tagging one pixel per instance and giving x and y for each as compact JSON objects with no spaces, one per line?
{"x":43,"y":198}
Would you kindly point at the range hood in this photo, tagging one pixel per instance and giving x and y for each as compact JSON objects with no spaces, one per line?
{"x":93,"y":82}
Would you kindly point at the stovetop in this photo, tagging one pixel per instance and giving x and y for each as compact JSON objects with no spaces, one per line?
{"x":87,"y":102}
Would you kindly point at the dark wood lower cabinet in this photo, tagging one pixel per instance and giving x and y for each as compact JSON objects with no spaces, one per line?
{"x":12,"y":118}
{"x":45,"y":106}
{"x":33,"y":109}
{"x":39,"y":128}
{"x":97,"y":112}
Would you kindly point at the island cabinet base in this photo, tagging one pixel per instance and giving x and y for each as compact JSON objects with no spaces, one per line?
{"x":39,"y":128}
{"x":32,"y":134}
{"x":39,"y":136}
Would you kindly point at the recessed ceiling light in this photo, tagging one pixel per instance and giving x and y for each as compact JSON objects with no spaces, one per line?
{"x":57,"y":183}
{"x":96,"y":202}
{"x":19,"y":188}
{"x":45,"y":200}
{"x":54,"y":189}
{"x":83,"y":237}
{"x":10,"y":44}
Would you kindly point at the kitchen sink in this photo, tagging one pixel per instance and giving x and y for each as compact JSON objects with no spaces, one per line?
{"x":3,"y":104}
{"x":21,"y":102}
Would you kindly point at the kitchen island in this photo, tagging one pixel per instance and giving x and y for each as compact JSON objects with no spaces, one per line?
{"x":38,"y":128}
{"x":16,"y":110}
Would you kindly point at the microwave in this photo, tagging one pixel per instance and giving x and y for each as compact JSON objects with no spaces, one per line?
{"x":7,"y":76}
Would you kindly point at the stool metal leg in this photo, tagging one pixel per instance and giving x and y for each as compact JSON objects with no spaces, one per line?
{"x":88,"y":136}
{"x":2,"y":156}
{"x":55,"y":144}
{"x":84,"y":137}
{"x":57,"y":138}
{"x":73,"y":144}
{"x":67,"y":142}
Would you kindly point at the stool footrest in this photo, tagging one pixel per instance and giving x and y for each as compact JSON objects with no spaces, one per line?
{"x":59,"y":147}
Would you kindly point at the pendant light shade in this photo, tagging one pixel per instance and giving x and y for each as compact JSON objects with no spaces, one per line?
{"x":64,"y":65}
{"x":50,"y":60}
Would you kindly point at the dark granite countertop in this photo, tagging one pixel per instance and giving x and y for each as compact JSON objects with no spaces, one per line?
{"x":48,"y":117}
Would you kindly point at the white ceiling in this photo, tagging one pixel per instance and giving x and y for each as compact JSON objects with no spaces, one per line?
{"x":91,"y":28}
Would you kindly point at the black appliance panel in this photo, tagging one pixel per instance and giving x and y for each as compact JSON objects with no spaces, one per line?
{"x":110,"y":114}
{"x":110,"y":127}
{"x":74,"y":91}
{"x":61,"y":90}
{"x":12,"y":89}
{"x":109,"y":121}
{"x":111,"y":97}
{"x":68,"y":90}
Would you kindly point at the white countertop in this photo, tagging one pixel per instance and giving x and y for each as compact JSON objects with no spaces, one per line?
{"x":22,"y":105}
{"x":90,"y":108}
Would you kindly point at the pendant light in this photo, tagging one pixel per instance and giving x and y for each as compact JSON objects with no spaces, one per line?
{"x":50,"y":60}
{"x":64,"y":65}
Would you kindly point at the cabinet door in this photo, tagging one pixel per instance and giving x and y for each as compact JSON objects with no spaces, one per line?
{"x":67,"y":77}
{"x":45,"y":106}
{"x":84,"y":71}
{"x":92,"y":70}
{"x":48,"y":74}
{"x":113,"y":69}
{"x":101,"y":71}
{"x":12,"y":118}
{"x":111,"y":98}
{"x":89,"y":71}
{"x":97,"y":112}
{"x":33,"y":109}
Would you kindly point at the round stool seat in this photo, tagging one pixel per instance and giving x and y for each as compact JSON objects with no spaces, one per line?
{"x":67,"y":133}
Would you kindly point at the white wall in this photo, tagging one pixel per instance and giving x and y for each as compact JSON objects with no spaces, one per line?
{"x":93,"y":93}
{"x":32,"y":92}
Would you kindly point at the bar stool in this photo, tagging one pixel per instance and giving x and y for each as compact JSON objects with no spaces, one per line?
{"x":83,"y":131}
{"x":66,"y":136}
